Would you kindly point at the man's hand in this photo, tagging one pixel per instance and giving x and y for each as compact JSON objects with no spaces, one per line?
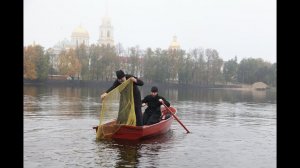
{"x":143,"y":104}
{"x":103,"y":95}
{"x":160,"y":100}
{"x":133,"y":79}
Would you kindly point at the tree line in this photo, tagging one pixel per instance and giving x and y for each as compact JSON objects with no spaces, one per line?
{"x":198,"y":66}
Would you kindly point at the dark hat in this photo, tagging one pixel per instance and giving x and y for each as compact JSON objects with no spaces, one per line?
{"x":154,"y":89}
{"x":120,"y":74}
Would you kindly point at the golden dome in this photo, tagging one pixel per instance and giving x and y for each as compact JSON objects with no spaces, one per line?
{"x":80,"y":32}
{"x":174,"y":44}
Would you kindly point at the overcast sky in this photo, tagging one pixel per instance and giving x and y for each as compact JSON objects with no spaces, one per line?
{"x":242,"y":28}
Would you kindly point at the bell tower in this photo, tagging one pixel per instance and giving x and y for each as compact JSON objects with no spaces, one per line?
{"x":106,"y":31}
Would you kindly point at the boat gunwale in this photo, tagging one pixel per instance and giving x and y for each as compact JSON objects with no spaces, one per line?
{"x":142,"y":132}
{"x":145,"y":126}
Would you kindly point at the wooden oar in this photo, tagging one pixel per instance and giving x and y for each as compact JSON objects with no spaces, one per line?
{"x":187,"y":131}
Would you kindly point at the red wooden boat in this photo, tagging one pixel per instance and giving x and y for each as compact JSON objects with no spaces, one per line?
{"x":141,"y":132}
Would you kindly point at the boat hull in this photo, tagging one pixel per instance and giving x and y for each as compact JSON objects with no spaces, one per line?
{"x":141,"y":132}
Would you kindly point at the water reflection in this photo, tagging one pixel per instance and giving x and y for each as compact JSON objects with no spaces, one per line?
{"x":60,"y":101}
{"x":117,"y":154}
{"x":219,"y":95}
{"x":132,"y":153}
{"x":31,"y":94}
{"x":128,"y":155}
{"x":259,"y":94}
{"x":31,"y":91}
{"x":67,"y":94}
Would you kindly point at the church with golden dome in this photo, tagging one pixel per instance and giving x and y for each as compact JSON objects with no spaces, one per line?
{"x":79,"y":36}
{"x":174,"y":44}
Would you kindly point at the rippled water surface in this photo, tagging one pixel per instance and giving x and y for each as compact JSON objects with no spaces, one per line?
{"x":229,"y":128}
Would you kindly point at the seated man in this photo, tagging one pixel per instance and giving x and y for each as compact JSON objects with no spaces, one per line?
{"x":152,"y":113}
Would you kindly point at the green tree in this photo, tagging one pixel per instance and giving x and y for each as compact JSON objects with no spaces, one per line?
{"x":230,"y":70}
{"x":81,"y":52}
{"x":198,"y":65}
{"x":134,"y":60}
{"x":273,"y":75}
{"x":185,"y":69}
{"x":149,"y":64}
{"x":248,"y":70}
{"x":108,"y":62}
{"x":43,"y":66}
{"x":94,"y":57}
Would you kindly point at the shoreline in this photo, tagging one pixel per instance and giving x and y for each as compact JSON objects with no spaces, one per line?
{"x":95,"y":84}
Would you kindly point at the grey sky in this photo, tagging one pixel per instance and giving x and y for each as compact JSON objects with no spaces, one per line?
{"x":242,"y":28}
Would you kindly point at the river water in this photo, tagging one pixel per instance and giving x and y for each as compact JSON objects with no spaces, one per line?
{"x":229,"y":129}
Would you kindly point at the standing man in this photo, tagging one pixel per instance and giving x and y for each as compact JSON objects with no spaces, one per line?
{"x":121,"y":77}
{"x":152,"y":113}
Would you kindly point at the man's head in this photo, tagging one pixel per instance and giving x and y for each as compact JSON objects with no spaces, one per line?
{"x":154,"y":91}
{"x":121,"y":76}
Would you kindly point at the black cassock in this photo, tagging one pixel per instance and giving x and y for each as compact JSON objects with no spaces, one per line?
{"x":152,"y":113}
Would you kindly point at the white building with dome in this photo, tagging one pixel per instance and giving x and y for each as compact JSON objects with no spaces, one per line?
{"x":80,"y":36}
